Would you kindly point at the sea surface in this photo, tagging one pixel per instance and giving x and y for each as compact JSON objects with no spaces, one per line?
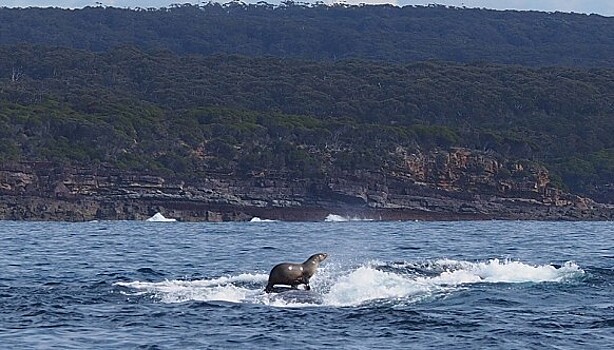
{"x":385,"y":285}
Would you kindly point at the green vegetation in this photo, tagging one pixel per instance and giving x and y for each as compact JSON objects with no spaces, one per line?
{"x":321,"y":32}
{"x":192,"y":115}
{"x":306,"y":91}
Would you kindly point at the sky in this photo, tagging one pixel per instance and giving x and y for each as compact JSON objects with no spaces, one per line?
{"x":602,"y":7}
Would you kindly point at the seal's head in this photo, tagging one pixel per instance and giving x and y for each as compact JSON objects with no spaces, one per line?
{"x":317,"y":258}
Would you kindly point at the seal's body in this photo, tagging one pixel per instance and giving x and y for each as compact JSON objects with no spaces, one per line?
{"x":294,"y":274}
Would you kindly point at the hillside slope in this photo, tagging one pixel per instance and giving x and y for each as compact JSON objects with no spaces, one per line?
{"x":156,"y":111}
{"x":320,"y":32}
{"x":224,"y":112}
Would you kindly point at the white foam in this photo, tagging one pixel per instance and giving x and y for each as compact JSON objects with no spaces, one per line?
{"x":339,"y":218}
{"x":217,"y":289}
{"x":257,"y":219}
{"x":335,"y":218}
{"x":367,"y":283}
{"x":363,"y":284}
{"x":508,"y":271}
{"x":158,"y":217}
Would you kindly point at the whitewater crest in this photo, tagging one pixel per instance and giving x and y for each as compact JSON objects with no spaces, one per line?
{"x":234,"y":289}
{"x":404,"y":282}
{"x":340,"y":218}
{"x":257,"y":219}
{"x":158,"y":217}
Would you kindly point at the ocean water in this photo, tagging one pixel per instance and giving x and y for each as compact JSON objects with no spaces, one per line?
{"x":385,"y":285}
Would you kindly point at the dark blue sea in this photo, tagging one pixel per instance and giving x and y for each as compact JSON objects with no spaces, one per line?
{"x":385,"y":285}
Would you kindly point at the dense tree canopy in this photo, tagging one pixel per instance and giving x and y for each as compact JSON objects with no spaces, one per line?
{"x":158,"y":111}
{"x":306,"y":90}
{"x":320,"y":32}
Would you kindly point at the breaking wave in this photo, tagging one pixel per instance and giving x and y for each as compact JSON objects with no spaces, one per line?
{"x":257,"y":219}
{"x":402,"y":282}
{"x":339,"y":218}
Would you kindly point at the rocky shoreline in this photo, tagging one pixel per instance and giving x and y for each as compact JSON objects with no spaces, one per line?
{"x":44,"y":192}
{"x":85,"y":209}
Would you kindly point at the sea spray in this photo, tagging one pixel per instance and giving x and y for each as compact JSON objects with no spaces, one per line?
{"x":341,"y":287}
{"x":367,"y":283}
{"x":340,"y":218}
{"x":227,"y":288}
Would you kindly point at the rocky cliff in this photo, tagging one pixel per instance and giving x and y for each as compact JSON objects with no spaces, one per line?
{"x":438,"y":185}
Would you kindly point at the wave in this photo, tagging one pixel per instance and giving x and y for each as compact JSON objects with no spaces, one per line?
{"x":404,"y":282}
{"x":229,"y":288}
{"x":257,"y":219}
{"x":158,"y":217}
{"x":339,"y":218}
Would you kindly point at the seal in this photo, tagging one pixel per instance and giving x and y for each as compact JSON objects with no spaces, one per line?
{"x":294,"y":274}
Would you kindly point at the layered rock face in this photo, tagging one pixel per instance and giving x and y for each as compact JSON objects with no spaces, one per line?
{"x":438,"y":185}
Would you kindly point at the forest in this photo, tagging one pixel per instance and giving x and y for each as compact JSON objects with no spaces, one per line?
{"x":325,"y":32}
{"x":192,"y":116}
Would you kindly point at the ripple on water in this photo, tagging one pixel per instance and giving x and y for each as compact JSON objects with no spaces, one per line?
{"x":195,"y":285}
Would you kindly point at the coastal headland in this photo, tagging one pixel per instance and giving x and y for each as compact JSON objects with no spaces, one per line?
{"x":227,"y":112}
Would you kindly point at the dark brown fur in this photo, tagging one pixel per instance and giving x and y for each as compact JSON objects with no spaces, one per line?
{"x":294,"y":274}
